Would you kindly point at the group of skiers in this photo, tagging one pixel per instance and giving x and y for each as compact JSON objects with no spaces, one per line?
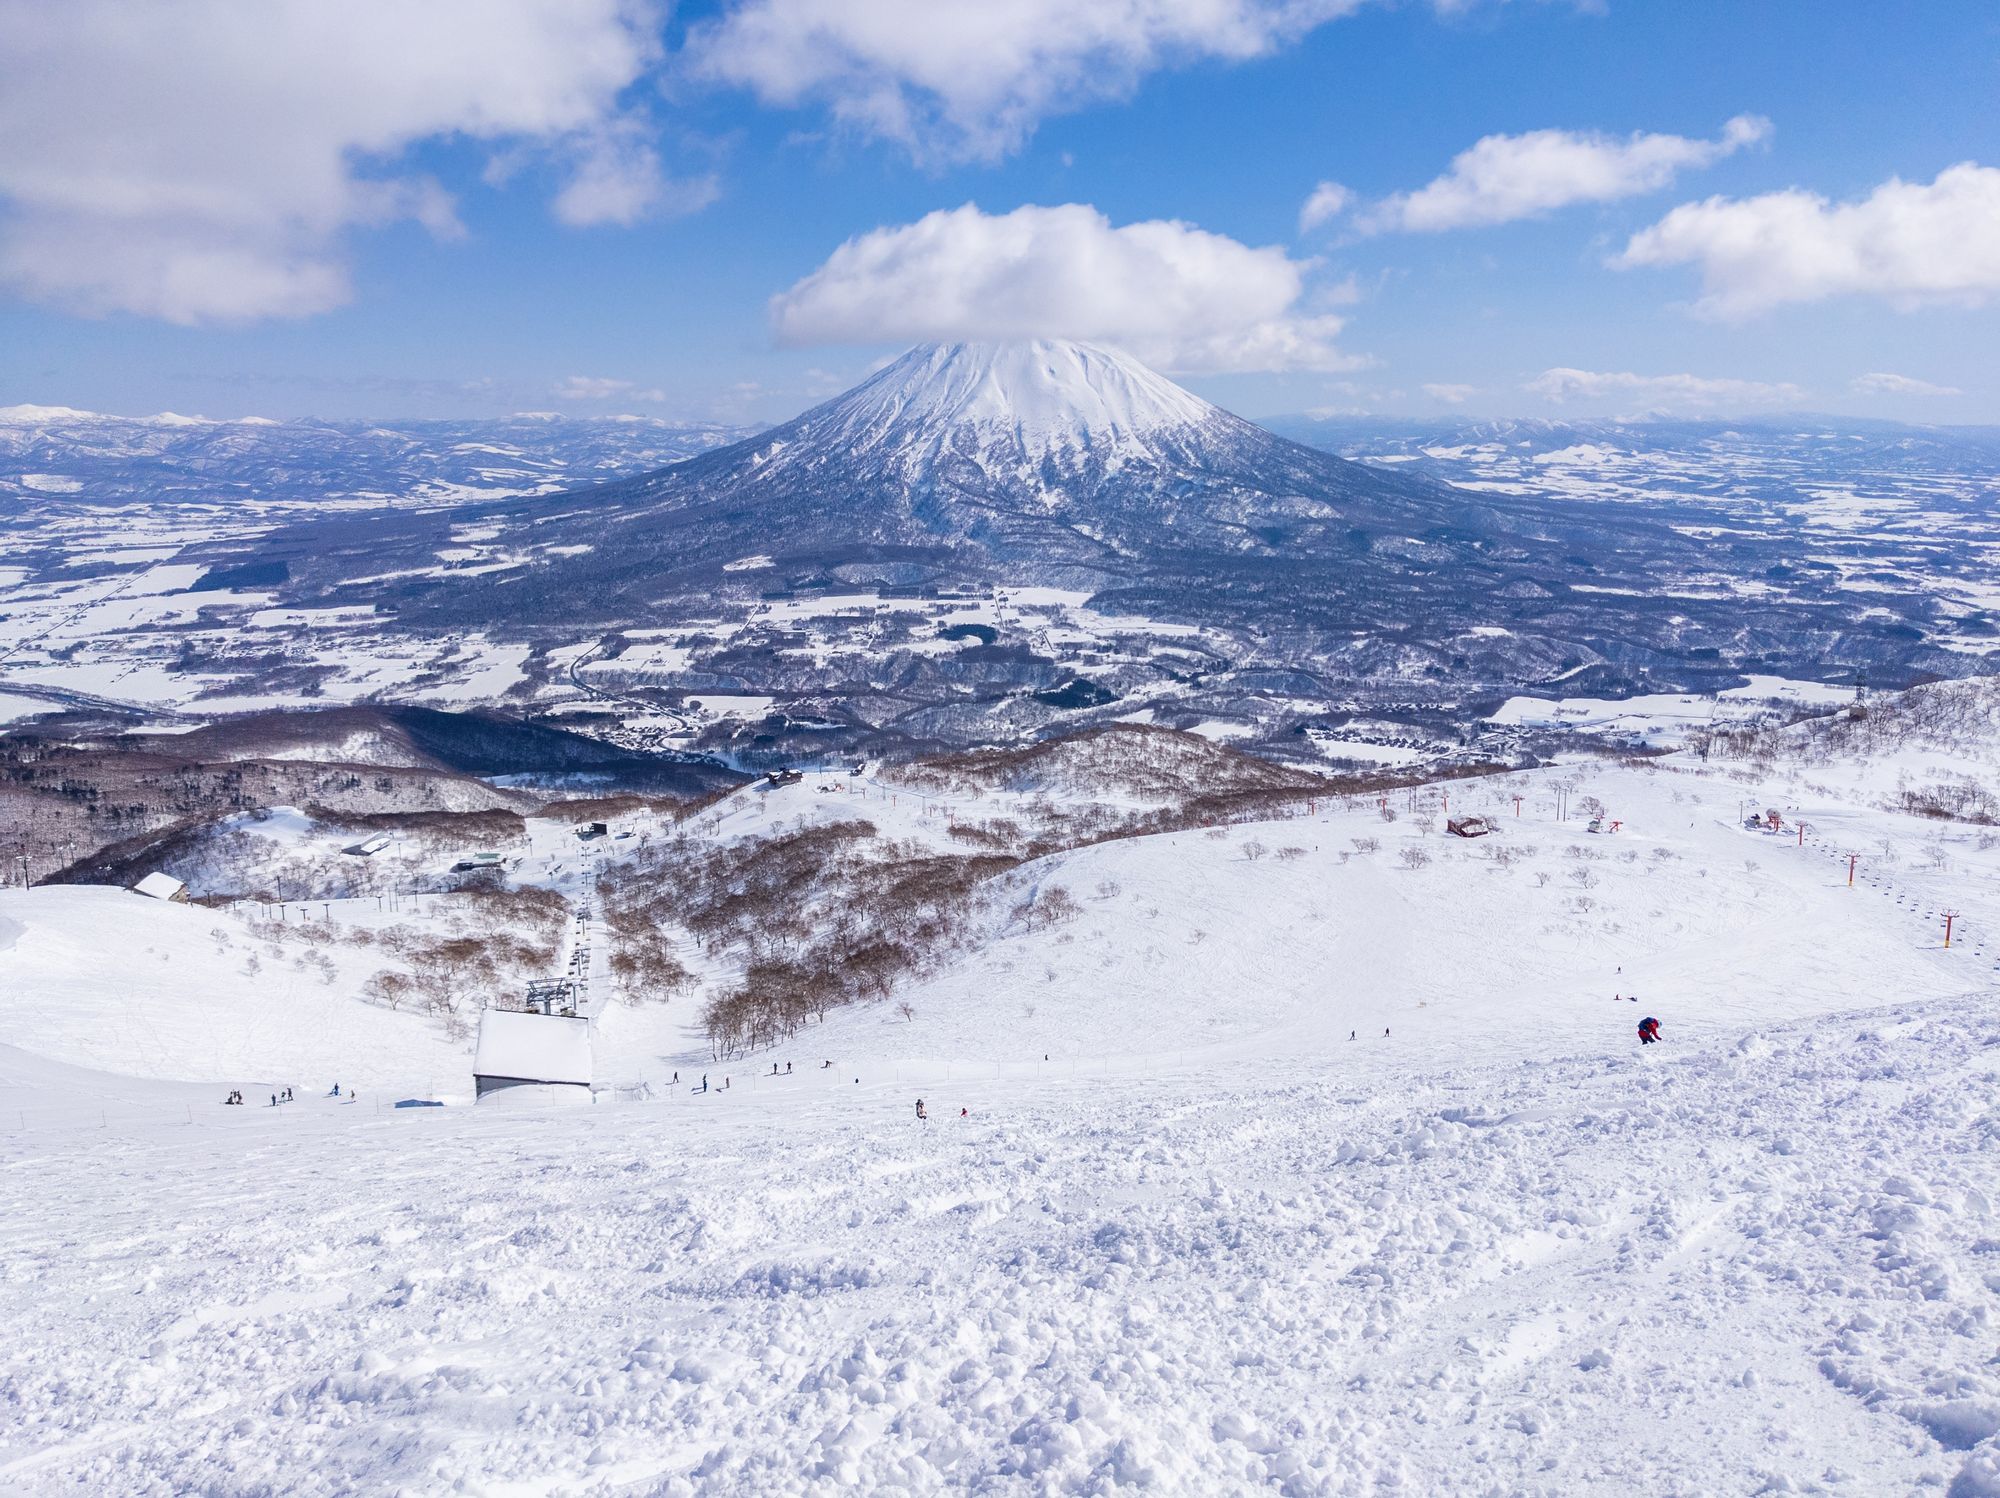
{"x":282,"y":1095}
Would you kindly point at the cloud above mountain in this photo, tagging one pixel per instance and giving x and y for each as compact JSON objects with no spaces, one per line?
{"x":204,"y":161}
{"x":1174,"y":295}
{"x":1908,"y":243}
{"x":1502,"y":178}
{"x":1882,"y":383}
{"x":1669,"y":392}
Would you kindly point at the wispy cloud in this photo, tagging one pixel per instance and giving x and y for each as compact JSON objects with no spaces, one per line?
{"x":1329,"y":200}
{"x":1506,"y":177}
{"x":1895,"y":384}
{"x":598,"y":388}
{"x":1670,"y":392}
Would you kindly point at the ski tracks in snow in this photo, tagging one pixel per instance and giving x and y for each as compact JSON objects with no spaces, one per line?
{"x":1767,"y":1268}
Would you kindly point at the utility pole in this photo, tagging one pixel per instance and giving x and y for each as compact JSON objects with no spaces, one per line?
{"x":1852,"y":859}
{"x":1949,"y":917}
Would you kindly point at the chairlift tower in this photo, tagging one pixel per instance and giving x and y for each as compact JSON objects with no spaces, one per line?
{"x":551,"y":996}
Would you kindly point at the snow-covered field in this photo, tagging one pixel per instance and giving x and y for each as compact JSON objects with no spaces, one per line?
{"x":1186,"y":1234}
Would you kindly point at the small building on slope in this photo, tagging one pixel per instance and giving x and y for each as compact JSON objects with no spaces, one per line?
{"x":162,"y":886}
{"x":546,"y":1052}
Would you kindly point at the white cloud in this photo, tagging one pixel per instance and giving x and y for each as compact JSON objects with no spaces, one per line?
{"x":1451,"y":395}
{"x":1328,"y":200}
{"x":1506,"y":177}
{"x":204,"y":160}
{"x":1674,"y":392}
{"x":1909,"y":242}
{"x":1174,"y":295}
{"x":1895,"y":384}
{"x":617,"y":178}
{"x":971,"y":78}
{"x":598,"y":388}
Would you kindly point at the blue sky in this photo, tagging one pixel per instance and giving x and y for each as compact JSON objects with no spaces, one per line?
{"x":591,"y":205}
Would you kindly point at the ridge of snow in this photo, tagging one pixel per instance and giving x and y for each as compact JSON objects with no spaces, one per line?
{"x":32,"y":415}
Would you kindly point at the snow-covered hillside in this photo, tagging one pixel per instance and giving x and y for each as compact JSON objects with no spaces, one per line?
{"x":1313,"y":1155}
{"x":1763,"y":1266}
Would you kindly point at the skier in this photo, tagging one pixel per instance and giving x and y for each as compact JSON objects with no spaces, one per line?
{"x":1649,"y":1030}
{"x":1350,"y":1035}
{"x":677,"y":1079}
{"x":336,"y":1089}
{"x":788,"y":1068}
{"x":965,"y":1113}
{"x":922,"y":1117}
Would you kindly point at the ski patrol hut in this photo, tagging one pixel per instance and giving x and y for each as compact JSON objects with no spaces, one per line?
{"x":547,"y":1052}
{"x":161,"y":886}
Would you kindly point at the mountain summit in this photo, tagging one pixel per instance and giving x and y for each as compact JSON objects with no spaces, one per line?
{"x":1042,"y":396}
{"x":1042,"y":423}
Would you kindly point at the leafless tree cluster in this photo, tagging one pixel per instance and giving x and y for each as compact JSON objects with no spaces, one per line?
{"x":487,"y":947}
{"x":817,"y":917}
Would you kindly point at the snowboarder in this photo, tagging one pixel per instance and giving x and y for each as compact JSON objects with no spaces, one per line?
{"x":1350,"y":1035}
{"x":1649,"y":1030}
{"x":677,"y":1079}
{"x":336,"y":1090}
{"x":922,"y":1117}
{"x":965,"y":1113}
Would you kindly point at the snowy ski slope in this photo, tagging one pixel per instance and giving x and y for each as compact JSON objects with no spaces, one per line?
{"x":1186,"y":1237}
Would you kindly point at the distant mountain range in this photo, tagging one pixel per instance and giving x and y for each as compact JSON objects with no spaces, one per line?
{"x":1231,"y":571}
{"x":1062,"y":464}
{"x":55,"y":454}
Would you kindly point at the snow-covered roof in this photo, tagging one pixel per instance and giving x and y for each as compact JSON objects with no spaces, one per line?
{"x":160,"y":886}
{"x":533,"y":1047}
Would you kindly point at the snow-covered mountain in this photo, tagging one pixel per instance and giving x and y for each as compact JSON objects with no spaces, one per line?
{"x":1040,"y":453}
{"x":1039,"y":463}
